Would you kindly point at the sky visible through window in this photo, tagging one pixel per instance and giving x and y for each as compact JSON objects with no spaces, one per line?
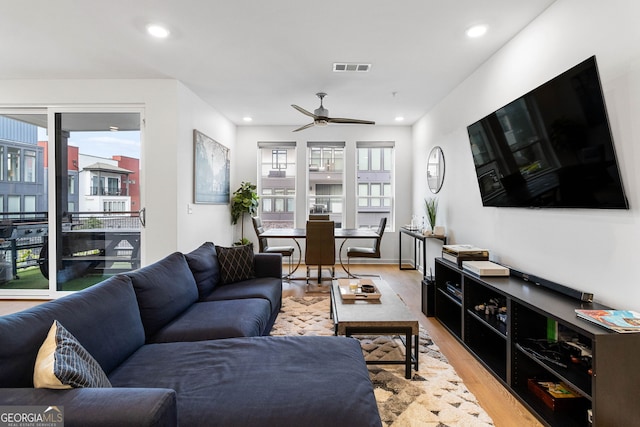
{"x":103,"y":144}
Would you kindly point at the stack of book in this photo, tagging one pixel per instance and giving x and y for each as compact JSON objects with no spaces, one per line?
{"x":460,"y":253}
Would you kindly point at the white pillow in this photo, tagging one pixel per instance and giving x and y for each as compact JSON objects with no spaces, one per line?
{"x":62,"y":362}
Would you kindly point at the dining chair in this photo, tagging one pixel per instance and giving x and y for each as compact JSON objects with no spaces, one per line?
{"x":263,"y":244}
{"x":320,"y":248}
{"x":367,"y":252}
{"x":319,"y":217}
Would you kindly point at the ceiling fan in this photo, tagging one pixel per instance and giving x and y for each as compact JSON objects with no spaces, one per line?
{"x":321,"y":116}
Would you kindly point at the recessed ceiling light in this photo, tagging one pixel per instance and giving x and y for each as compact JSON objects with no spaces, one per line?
{"x":157,"y":30}
{"x":476,"y":31}
{"x":247,"y":119}
{"x":399,"y":118}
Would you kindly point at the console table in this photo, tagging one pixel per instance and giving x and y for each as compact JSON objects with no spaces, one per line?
{"x":418,"y":237}
{"x":520,"y":347}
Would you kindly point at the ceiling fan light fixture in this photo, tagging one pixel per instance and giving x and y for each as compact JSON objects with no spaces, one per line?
{"x":321,"y":116}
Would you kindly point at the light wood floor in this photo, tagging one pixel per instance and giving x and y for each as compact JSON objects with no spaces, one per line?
{"x":503,"y":408}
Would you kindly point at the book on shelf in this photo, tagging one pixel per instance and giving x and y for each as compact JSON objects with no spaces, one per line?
{"x":615,"y":320}
{"x":556,"y":395}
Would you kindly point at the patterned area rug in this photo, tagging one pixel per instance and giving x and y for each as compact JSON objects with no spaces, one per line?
{"x":435,"y":396}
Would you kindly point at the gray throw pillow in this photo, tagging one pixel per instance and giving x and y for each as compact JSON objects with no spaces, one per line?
{"x":63,"y":362}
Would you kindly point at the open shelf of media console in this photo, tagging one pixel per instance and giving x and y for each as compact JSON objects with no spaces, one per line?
{"x":504,"y":348}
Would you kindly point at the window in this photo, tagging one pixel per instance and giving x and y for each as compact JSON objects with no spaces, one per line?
{"x":29,"y":205}
{"x":113,"y":186}
{"x":13,"y":206}
{"x":278,"y":159}
{"x":96,"y":185}
{"x":72,"y":186}
{"x":277,"y":184}
{"x":29,"y":166}
{"x":374,"y":183}
{"x":326,"y":180}
{"x":13,"y":164}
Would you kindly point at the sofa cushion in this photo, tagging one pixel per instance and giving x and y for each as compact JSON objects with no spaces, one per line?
{"x":268,"y":288}
{"x":164,"y":289}
{"x":104,"y":317}
{"x":203,"y":263}
{"x":236,"y":263}
{"x":63,"y":362}
{"x":218,"y":319}
{"x":259,"y":381}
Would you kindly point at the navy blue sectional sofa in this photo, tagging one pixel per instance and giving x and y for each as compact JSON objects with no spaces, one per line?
{"x":179,"y":348}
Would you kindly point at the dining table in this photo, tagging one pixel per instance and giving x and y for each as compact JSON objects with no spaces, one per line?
{"x":301,"y":233}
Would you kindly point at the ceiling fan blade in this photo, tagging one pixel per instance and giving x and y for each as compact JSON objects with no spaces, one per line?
{"x":354,"y":121}
{"x":303,"y":111}
{"x":304,"y":127}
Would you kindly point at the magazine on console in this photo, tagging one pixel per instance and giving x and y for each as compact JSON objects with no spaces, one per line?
{"x":616,"y":320}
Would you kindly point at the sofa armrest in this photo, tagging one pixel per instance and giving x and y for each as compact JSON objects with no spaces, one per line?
{"x":98,"y":407}
{"x":268,"y":265}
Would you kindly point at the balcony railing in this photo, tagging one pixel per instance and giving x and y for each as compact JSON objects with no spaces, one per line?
{"x":97,"y":191}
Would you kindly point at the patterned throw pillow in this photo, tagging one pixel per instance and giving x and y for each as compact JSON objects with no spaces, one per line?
{"x":236,"y":263}
{"x":63,"y":362}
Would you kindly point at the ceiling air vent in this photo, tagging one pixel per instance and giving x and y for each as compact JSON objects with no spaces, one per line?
{"x":350,"y":67}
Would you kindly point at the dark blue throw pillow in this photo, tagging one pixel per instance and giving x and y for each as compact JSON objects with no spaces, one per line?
{"x":203,"y":263}
{"x":236,"y":263}
{"x":164,"y":290}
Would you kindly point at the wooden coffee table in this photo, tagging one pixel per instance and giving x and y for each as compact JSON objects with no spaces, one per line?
{"x":385,"y":316}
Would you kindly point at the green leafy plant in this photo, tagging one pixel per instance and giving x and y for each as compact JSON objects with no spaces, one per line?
{"x":244,"y":200}
{"x":431,"y":206}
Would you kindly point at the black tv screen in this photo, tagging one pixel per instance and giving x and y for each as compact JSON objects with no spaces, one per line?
{"x":550,"y":148}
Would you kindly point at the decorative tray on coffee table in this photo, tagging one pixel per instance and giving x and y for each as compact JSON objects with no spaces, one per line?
{"x":348,"y":292}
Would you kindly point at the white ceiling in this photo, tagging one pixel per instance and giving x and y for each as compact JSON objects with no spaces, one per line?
{"x":256,"y":57}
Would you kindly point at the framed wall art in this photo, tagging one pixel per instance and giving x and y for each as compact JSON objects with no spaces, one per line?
{"x":211,"y":170}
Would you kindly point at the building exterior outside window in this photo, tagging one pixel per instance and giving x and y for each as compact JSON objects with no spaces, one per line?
{"x":326,"y":180}
{"x":374,"y":183}
{"x":277,"y":184}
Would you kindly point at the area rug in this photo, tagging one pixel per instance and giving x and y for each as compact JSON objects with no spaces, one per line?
{"x":434,"y":397}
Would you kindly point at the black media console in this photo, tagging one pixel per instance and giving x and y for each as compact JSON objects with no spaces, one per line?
{"x":526,"y":335}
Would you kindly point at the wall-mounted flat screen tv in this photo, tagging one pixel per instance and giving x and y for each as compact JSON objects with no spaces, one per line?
{"x":550,"y":148}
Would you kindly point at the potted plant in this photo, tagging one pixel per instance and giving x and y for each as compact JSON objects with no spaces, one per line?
{"x":245,"y":200}
{"x":431,"y":206}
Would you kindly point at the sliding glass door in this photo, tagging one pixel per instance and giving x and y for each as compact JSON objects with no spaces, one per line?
{"x":70,"y":198}
{"x":23,"y":201}
{"x":98,"y":223}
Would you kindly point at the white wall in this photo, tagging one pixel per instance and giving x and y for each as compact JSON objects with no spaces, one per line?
{"x":592,"y":250}
{"x":205,"y":222}
{"x":246,"y":164}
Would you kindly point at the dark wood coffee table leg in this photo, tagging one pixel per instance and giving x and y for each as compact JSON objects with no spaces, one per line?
{"x":408,"y":356}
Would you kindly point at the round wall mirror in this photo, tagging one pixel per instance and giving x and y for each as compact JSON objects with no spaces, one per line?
{"x":435,"y":169}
